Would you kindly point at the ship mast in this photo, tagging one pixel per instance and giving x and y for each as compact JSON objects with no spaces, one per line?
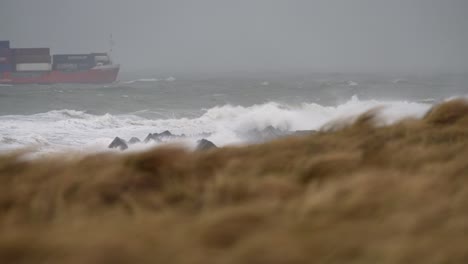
{"x":111,"y":45}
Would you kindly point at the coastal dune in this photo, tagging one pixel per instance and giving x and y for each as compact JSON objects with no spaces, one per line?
{"x":354,"y":193}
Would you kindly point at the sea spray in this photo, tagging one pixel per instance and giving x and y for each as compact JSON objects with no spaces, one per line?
{"x":227,"y":124}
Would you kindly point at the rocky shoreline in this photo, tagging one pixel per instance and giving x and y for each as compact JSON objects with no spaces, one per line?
{"x":253,"y":136}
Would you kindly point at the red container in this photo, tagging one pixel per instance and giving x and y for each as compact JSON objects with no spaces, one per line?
{"x":31,"y":51}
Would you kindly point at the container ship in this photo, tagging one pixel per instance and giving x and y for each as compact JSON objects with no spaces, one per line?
{"x":37,"y":65}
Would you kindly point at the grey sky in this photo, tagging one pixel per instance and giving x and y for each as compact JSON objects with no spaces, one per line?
{"x":238,"y":35}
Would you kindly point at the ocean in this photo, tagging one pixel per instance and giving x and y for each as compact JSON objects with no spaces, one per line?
{"x":222,"y":108}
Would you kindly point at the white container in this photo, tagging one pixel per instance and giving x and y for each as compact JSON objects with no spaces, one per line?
{"x":101,"y":58}
{"x":33,"y":67}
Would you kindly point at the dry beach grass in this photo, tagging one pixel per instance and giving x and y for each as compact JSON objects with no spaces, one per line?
{"x":358,"y":194}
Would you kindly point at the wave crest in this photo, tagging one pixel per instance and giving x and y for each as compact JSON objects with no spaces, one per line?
{"x":226,"y":124}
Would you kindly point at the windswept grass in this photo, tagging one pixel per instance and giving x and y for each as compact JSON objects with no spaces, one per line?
{"x":354,"y":194}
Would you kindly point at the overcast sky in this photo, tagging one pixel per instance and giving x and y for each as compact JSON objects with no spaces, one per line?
{"x":250,"y":35}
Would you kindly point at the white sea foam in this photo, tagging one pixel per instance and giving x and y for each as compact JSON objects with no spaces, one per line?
{"x":148,"y":80}
{"x":77,"y":130}
{"x":143,"y":80}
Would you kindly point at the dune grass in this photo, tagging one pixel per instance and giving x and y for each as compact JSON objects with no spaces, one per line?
{"x":358,"y":194}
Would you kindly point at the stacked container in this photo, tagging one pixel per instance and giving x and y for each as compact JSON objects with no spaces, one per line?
{"x":6,"y":62}
{"x":101,"y":58}
{"x":73,"y":62}
{"x":4,"y":44}
{"x":32,"y":59}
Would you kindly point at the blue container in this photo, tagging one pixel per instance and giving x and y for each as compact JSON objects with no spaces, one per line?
{"x":5,"y":52}
{"x":6,"y":67}
{"x":74,"y":58}
{"x":4,"y":44}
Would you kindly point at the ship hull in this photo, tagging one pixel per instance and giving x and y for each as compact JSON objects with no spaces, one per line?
{"x":97,"y":75}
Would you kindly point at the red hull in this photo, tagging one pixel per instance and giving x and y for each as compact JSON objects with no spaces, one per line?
{"x":107,"y":74}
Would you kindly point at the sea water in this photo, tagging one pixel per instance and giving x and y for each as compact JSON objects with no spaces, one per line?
{"x":222,"y":108}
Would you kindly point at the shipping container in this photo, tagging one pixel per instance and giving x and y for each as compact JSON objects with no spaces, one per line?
{"x":5,"y":60}
{"x":33,"y":67}
{"x":5,"y":52}
{"x":65,"y":67}
{"x":101,"y":59}
{"x":99,"y":54}
{"x":5,"y":56}
{"x":33,"y":59}
{"x":4,"y":44}
{"x":72,"y":66}
{"x":6,"y":67}
{"x":73,"y":58}
{"x":31,"y":51}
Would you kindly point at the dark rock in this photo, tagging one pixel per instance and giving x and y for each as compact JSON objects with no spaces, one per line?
{"x":159,"y":136}
{"x":204,"y":144}
{"x":152,"y":137}
{"x":267,"y":134}
{"x":134,"y":140}
{"x":118,"y":143}
{"x":271,"y":133}
{"x":168,"y":135}
{"x":165,"y":134}
{"x":148,"y":138}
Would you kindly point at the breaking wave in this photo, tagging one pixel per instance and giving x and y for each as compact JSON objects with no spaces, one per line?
{"x":150,"y":80}
{"x":147,"y":80}
{"x":78,"y":130}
